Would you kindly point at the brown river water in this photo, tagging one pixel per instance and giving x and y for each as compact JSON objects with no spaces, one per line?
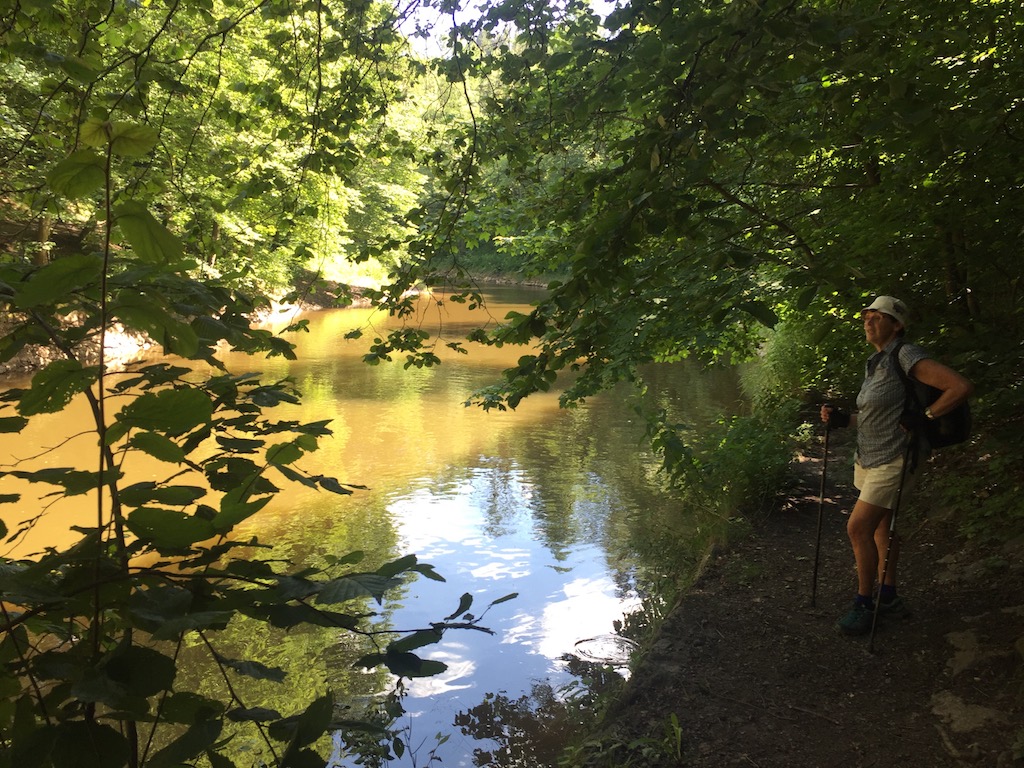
{"x":556,"y":505}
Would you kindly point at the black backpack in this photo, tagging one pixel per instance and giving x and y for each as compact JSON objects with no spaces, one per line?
{"x":949,"y":428}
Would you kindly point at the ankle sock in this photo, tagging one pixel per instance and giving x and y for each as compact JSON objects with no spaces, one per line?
{"x":864,"y":600}
{"x":887,"y":593}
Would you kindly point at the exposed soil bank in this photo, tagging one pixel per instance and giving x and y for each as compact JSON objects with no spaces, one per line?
{"x":757,"y":676}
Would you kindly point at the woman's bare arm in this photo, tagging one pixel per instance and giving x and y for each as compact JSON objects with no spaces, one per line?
{"x":955,"y":388}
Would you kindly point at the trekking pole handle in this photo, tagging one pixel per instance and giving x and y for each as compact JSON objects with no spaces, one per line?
{"x":834,"y":416}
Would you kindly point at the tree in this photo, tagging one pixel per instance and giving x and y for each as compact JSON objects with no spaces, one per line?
{"x":161,"y":134}
{"x":261,"y":117}
{"x":749,"y":162}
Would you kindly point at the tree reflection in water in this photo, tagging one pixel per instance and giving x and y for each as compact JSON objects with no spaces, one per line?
{"x":533,"y":730}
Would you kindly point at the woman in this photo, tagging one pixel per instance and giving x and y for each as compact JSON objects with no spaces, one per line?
{"x":882,"y":444}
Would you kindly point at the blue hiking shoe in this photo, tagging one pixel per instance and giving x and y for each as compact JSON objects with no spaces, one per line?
{"x":896,"y":608}
{"x":857,"y":620}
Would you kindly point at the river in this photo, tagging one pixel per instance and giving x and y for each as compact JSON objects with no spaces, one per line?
{"x":564,"y":508}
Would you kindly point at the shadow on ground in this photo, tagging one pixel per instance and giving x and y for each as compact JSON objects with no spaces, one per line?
{"x":759,"y":677}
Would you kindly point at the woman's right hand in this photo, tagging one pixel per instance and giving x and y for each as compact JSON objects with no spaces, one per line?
{"x":834,"y":417}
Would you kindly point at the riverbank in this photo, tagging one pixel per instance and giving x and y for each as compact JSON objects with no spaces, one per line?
{"x":122,"y":347}
{"x":755,"y":675}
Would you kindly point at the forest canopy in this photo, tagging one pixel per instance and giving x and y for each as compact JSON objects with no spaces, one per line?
{"x":690,"y":173}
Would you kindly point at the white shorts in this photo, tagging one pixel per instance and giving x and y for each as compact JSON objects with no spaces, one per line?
{"x":881,"y":485}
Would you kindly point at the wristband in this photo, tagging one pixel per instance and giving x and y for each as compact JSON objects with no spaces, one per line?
{"x":838,"y":418}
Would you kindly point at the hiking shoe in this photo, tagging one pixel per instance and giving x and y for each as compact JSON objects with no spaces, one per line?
{"x":896,"y":608}
{"x":857,"y":621}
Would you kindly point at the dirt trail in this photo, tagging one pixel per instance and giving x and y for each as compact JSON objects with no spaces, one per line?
{"x":758,"y":677}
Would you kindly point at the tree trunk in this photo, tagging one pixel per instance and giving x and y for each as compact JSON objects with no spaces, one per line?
{"x":211,"y":259}
{"x":41,"y":257}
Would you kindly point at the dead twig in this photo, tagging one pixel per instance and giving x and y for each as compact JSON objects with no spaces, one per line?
{"x":812,"y":712}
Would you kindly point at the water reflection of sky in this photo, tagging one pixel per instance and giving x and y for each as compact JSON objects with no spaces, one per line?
{"x":540,"y":502}
{"x":562,"y":598}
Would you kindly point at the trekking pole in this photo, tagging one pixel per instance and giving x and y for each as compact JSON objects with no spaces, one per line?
{"x":821,"y":506}
{"x":892,"y":534}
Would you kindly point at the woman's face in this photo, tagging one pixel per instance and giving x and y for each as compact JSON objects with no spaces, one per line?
{"x":879,"y":328}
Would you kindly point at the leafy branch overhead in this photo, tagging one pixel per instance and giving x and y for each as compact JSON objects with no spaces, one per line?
{"x":692,"y":175}
{"x":189,"y":160}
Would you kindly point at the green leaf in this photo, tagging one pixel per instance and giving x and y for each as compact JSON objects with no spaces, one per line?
{"x":140,"y":312}
{"x":334,"y":486}
{"x":254,"y":715}
{"x":465,"y":603}
{"x":760,"y":312}
{"x":355,"y":586}
{"x":10,"y":424}
{"x":169,"y":528}
{"x":150,"y":239}
{"x":78,"y":744}
{"x":284,"y":453}
{"x":157,"y":605}
{"x":270,"y":396}
{"x":94,"y":686}
{"x":61,"y":277}
{"x":55,"y":386}
{"x":133,"y":140}
{"x":317,"y":428}
{"x":411,"y":665}
{"x":806,"y":297}
{"x":158,"y":446}
{"x":235,"y":474}
{"x":294,"y":587}
{"x":151,"y":376}
{"x":173,"y":627}
{"x":78,"y":175}
{"x":142,"y":671}
{"x":172,"y":412}
{"x":250,"y":569}
{"x":426,"y":569}
{"x":416,"y":640}
{"x":73,"y":481}
{"x":23,"y":584}
{"x":305,"y":728}
{"x":78,"y":69}
{"x":138,"y":494}
{"x":95,"y":132}
{"x":301,"y":758}
{"x":194,"y":742}
{"x":187,"y":707}
{"x":239,"y":444}
{"x":218,"y":760}
{"x":297,"y":477}
{"x":235,"y":507}
{"x":351,"y":558}
{"x":398,"y":566}
{"x":253,"y":669}
{"x":287,"y":616}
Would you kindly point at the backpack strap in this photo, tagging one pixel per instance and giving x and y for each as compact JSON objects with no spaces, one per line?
{"x":908,"y":385}
{"x":911,"y":401}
